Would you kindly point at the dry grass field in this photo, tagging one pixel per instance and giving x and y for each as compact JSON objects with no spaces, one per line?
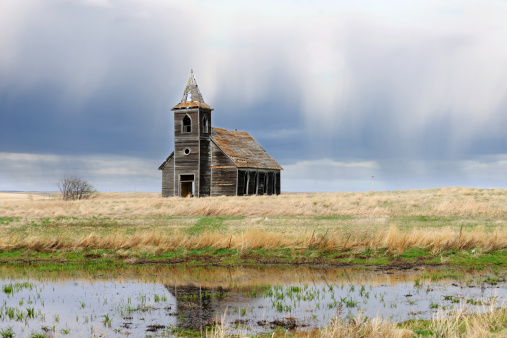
{"x":444,"y":202}
{"x":436,"y":219}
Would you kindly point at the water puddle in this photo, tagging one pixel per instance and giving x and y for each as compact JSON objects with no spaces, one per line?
{"x":157,"y":300}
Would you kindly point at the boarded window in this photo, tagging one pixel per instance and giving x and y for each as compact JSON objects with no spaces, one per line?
{"x":187,"y":124}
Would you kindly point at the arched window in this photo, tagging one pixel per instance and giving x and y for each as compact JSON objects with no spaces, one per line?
{"x":187,"y":124}
{"x":247,"y":181}
{"x":256,"y":181}
{"x":205,"y":124}
{"x":266,"y":183}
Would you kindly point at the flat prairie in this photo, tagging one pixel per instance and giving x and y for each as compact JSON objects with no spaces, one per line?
{"x":433,"y":219}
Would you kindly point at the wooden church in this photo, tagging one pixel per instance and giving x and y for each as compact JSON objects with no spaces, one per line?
{"x":210,"y":161}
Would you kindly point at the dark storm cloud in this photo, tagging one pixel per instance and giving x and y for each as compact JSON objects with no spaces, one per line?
{"x":413,"y":93}
{"x":85,"y":80}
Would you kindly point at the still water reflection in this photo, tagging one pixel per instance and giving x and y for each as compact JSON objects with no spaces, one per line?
{"x":154,"y":300}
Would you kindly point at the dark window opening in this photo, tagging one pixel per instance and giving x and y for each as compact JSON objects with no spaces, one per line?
{"x":186,"y":151}
{"x":247,"y":181}
{"x":186,"y":177}
{"x":205,"y":125}
{"x":187,"y":124}
{"x":256,"y":181}
{"x":266,"y":183}
{"x":274,"y":184}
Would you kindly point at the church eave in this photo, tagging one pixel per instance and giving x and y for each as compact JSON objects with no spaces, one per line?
{"x":162,"y":166}
{"x":191,"y":104}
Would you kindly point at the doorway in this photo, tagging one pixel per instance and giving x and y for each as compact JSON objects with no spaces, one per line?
{"x":186,"y":185}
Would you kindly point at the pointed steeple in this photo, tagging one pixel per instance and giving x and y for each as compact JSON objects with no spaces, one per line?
{"x":192,"y":97}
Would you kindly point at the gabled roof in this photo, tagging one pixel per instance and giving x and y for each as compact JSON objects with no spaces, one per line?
{"x":242,"y":149}
{"x":192,"y":97}
{"x":162,"y":166}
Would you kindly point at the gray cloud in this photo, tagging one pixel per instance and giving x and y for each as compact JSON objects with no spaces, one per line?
{"x":419,"y":89}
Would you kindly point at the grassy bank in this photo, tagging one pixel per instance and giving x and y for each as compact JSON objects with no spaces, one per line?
{"x":435,"y":226}
{"x":492,"y":322}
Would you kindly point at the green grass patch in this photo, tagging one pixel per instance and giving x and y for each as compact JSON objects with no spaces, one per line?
{"x":415,"y":253}
{"x":334,"y":218}
{"x":7,"y":220}
{"x":207,"y":224}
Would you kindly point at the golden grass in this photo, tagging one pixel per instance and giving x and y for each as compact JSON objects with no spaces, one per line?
{"x":436,"y":219}
{"x":394,"y":240}
{"x":489,"y":323}
{"x":463,"y":324}
{"x":445,"y":202}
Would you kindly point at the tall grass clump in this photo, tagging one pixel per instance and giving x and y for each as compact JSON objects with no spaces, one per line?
{"x":393,"y":239}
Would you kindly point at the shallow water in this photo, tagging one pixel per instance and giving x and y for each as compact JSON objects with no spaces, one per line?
{"x":154,"y":300}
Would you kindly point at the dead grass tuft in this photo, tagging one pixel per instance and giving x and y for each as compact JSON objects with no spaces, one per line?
{"x":456,"y":324}
{"x":461,"y":323}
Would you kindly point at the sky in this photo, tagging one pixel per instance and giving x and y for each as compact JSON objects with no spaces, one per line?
{"x":344,"y":95}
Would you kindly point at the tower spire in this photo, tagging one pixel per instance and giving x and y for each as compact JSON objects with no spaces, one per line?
{"x":192,"y":95}
{"x":192,"y":92}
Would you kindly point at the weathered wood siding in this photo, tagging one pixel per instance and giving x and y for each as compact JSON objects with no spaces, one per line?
{"x":168,"y":179}
{"x":186,"y":164}
{"x":205,"y":168}
{"x":223,"y":173}
{"x":205,"y":154}
{"x":178,"y":124}
{"x":214,"y":173}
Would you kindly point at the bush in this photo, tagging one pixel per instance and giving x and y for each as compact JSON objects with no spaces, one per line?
{"x":74,"y":188}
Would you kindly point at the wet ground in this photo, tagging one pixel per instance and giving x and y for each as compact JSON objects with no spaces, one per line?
{"x":157,"y":301}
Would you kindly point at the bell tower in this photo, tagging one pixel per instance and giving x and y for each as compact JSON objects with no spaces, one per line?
{"x":192,"y":147}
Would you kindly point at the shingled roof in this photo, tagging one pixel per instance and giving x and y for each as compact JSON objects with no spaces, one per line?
{"x":242,"y":149}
